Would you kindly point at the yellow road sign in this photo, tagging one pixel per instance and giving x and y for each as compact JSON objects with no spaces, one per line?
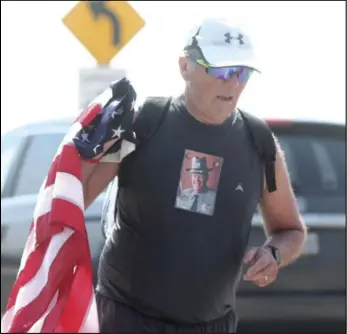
{"x":103,"y":27}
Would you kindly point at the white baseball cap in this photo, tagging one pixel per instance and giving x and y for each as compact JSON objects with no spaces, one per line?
{"x":222,"y":44}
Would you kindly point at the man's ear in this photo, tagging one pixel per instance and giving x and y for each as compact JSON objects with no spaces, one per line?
{"x":183,"y":63}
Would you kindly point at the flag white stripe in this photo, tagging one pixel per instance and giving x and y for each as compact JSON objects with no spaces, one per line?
{"x":6,"y":320}
{"x":9,"y":315}
{"x":32,"y":289}
{"x":126,"y":148}
{"x":37,"y":327}
{"x":28,"y":249}
{"x":89,"y":324}
{"x":69,"y":188}
{"x":44,"y":202}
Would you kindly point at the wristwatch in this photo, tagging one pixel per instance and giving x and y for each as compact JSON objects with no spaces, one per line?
{"x":275,"y":253}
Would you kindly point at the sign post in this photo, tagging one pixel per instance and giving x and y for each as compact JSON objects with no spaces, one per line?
{"x":104,"y":28}
{"x":93,"y":81}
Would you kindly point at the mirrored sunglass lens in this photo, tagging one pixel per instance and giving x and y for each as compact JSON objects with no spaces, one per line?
{"x":221,"y":73}
{"x":244,"y":74}
{"x":225,"y":73}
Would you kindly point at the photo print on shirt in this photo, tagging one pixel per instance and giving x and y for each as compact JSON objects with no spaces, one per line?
{"x":198,"y":185}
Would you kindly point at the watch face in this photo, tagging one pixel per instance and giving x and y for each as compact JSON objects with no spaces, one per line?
{"x":277,"y":255}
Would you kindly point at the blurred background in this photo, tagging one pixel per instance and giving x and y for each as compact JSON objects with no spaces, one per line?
{"x":47,"y":76}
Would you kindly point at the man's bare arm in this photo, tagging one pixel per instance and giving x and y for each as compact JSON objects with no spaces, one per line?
{"x":96,"y":176}
{"x":284,"y":228}
{"x":283,"y":223}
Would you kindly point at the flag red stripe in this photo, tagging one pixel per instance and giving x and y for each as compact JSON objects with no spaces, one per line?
{"x":54,"y":289}
{"x":60,"y":208}
{"x":53,"y":317}
{"x":28,"y":315}
{"x":45,"y":229}
{"x":79,"y":299}
{"x":33,"y":263}
{"x":88,"y":115}
{"x":71,"y":164}
{"x":35,"y":259}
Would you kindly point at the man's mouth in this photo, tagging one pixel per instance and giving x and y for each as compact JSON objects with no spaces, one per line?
{"x":225,"y":98}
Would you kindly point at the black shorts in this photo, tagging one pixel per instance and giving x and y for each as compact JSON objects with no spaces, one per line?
{"x":115,"y":317}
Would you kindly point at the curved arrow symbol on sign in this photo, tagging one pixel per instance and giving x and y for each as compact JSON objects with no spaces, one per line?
{"x":99,"y":8}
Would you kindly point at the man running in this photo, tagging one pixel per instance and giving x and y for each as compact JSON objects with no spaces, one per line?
{"x":171,"y":269}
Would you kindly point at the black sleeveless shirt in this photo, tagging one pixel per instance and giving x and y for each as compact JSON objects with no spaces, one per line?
{"x":173,"y":254}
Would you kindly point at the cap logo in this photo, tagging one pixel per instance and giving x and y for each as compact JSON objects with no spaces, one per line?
{"x":229,"y":37}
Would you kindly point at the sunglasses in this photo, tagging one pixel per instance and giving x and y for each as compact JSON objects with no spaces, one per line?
{"x":243,"y":73}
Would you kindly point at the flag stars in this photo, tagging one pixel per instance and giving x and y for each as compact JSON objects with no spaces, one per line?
{"x":84,"y":137}
{"x":117,"y":133}
{"x":96,"y":149}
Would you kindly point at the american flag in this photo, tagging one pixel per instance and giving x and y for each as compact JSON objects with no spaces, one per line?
{"x":53,"y":291}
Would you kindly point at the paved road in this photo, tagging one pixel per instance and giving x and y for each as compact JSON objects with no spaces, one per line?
{"x":289,"y":327}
